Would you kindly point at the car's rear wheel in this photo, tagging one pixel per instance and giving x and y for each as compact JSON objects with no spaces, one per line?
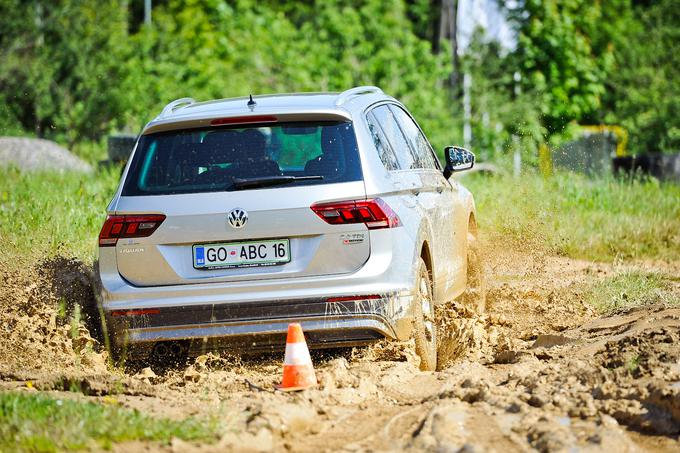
{"x":475,"y":292}
{"x":424,"y":327}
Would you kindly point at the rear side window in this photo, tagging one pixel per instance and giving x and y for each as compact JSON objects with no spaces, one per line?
{"x":385,"y":151}
{"x":210,"y":159}
{"x":395,"y":137}
{"x":419,"y":144}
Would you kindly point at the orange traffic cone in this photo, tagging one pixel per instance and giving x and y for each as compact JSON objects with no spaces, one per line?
{"x":298,"y":371}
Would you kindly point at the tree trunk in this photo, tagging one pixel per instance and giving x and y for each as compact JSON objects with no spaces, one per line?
{"x":443,"y":21}
{"x":437,"y":17}
{"x":448,"y":29}
{"x":452,"y":6}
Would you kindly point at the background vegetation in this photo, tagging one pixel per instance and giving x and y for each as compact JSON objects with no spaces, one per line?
{"x":74,"y":70}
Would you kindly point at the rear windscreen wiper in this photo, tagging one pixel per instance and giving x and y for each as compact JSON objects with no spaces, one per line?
{"x":264,"y":181}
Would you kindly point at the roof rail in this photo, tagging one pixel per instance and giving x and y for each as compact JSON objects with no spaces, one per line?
{"x":176,"y":104}
{"x":345,"y":95}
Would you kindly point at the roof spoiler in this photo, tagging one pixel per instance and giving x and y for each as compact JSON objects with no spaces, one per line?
{"x":175,"y":105}
{"x":356,"y":91}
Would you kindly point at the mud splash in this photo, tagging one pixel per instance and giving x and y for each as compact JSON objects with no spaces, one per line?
{"x":46,"y":313}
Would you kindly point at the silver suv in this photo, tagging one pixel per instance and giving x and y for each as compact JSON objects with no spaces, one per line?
{"x":236,"y":217}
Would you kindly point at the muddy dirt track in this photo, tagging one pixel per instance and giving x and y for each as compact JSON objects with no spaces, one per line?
{"x":538,"y":371}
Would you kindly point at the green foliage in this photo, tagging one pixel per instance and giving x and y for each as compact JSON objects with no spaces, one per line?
{"x":502,"y":118}
{"x":556,"y":57}
{"x":570,"y":214}
{"x":643,"y":89}
{"x":93,"y":152}
{"x":79,"y":73}
{"x":77,"y":69}
{"x":611,"y":62}
{"x":30,"y":422}
{"x":61,"y":68}
{"x":424,"y":14}
{"x":210,"y":49}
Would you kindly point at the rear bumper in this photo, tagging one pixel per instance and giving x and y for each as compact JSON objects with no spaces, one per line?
{"x":257,"y":326}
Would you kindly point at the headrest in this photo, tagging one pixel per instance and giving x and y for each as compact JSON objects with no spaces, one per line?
{"x":189,"y":153}
{"x":222,"y":146}
{"x":254,"y":143}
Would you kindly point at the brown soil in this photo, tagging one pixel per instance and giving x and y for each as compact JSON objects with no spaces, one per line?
{"x":540,"y":370}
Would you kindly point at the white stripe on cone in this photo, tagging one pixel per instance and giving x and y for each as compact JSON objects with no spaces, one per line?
{"x":297,"y":354}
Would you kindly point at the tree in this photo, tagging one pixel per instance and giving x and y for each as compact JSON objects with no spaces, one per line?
{"x":210,"y":49}
{"x":501,"y":116}
{"x":642,"y":91}
{"x":437,"y":21}
{"x":557,"y":57}
{"x":61,"y":66}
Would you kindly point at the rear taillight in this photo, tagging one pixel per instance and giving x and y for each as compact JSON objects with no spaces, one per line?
{"x":374,"y":213}
{"x":128,"y":226}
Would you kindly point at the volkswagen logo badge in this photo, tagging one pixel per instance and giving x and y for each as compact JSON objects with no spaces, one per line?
{"x":237,"y":218}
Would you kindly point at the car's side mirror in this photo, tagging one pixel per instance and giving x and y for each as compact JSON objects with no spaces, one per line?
{"x":457,"y":159}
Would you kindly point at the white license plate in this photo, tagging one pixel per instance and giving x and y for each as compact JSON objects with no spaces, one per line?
{"x":241,"y":254}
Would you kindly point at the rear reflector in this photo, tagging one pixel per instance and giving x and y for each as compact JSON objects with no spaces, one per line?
{"x":351,"y":298}
{"x":128,"y":226}
{"x":373,"y":213}
{"x":243,"y":120}
{"x":136,"y":312}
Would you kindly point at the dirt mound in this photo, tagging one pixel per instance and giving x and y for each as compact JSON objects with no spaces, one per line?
{"x":37,"y":154}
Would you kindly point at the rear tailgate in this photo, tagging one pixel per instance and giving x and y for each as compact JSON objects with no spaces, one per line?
{"x":316,"y":247}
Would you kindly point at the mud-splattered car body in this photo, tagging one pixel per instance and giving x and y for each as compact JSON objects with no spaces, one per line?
{"x":330,"y":235}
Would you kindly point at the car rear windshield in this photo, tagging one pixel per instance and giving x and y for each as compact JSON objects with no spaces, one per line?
{"x":221,"y":159}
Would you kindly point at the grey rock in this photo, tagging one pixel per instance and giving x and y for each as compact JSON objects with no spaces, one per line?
{"x":33,"y":154}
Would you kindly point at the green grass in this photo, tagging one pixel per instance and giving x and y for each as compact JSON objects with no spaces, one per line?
{"x":572,"y":215}
{"x":37,"y":423}
{"x":631,"y":289}
{"x":89,"y":151}
{"x":48,"y":212}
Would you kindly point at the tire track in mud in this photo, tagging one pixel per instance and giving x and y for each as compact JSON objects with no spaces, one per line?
{"x":538,"y":371}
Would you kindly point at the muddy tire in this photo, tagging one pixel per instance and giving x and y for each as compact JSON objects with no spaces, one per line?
{"x":474,"y":296}
{"x":424,"y":327}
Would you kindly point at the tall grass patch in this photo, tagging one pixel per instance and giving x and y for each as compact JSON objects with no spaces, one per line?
{"x":568,"y":214}
{"x":37,"y":423}
{"x":630,"y":289}
{"x":48,"y":212}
